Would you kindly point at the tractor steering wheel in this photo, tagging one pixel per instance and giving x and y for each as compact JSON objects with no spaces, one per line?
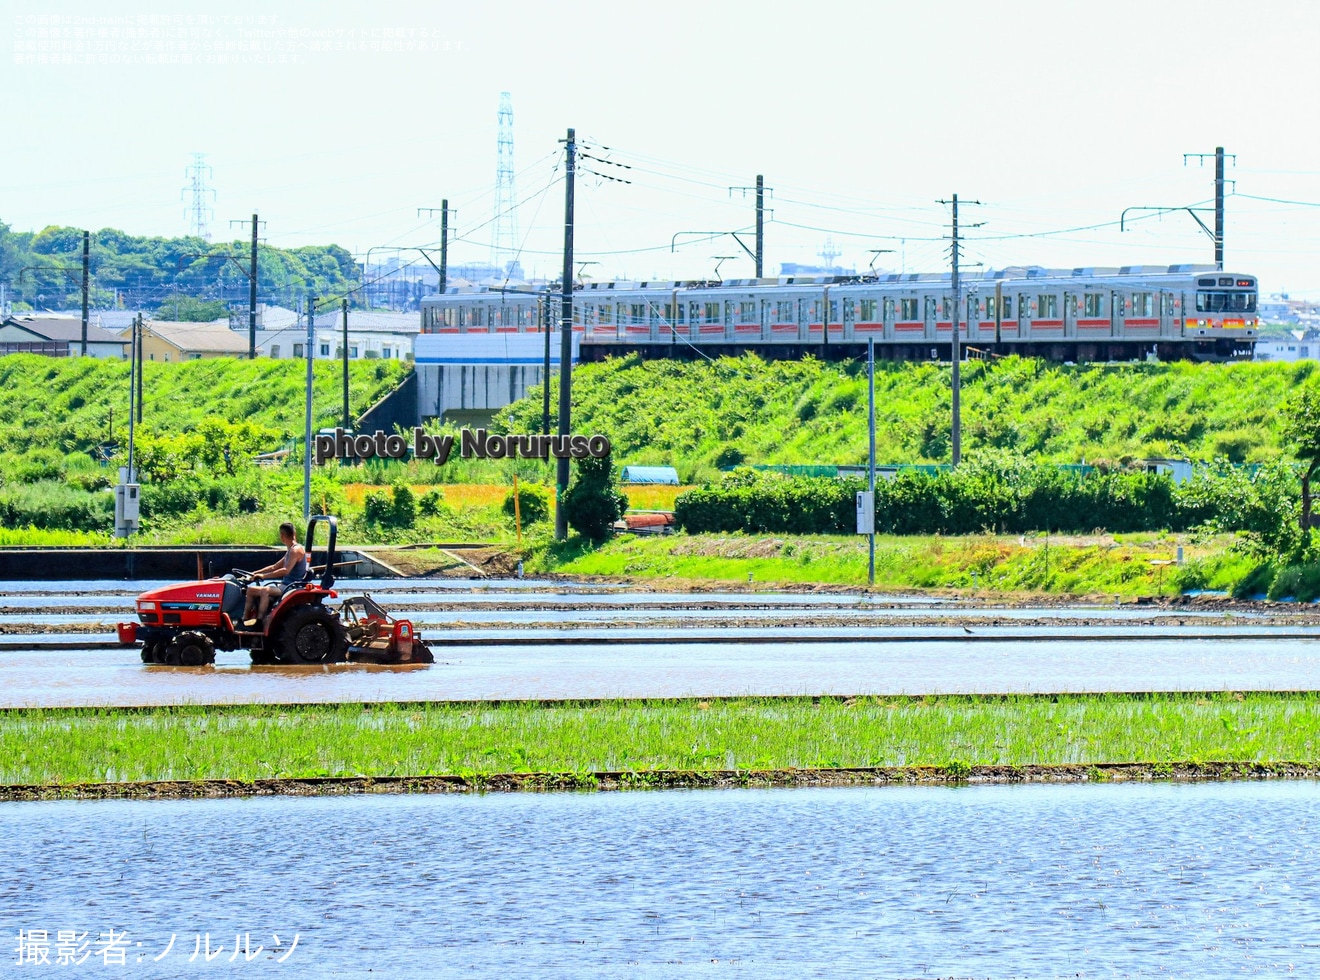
{"x":244,"y":579}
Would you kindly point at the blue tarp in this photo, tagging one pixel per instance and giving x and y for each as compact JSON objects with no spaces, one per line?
{"x":650,"y":474}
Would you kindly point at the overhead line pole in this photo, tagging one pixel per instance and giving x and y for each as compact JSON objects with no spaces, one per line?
{"x":565,"y":339}
{"x":1218,"y":236}
{"x":955,"y":439}
{"x":760,"y":224}
{"x":86,"y":267}
{"x":252,"y":294}
{"x":347,"y":420}
{"x":307,"y":421}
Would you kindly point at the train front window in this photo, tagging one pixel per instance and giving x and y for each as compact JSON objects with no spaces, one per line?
{"x":1225,"y":302}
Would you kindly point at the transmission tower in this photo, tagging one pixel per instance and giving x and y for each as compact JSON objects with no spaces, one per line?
{"x":504,"y":243}
{"x":200,"y":212}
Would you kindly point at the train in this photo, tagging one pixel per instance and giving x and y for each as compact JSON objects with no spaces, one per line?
{"x":1176,"y":312}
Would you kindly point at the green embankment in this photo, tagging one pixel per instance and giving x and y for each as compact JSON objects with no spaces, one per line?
{"x":63,"y":747}
{"x":70,"y":404}
{"x":700,"y":415}
{"x":1133,"y":564}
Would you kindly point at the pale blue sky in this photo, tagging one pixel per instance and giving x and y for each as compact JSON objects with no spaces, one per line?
{"x":860,"y":115}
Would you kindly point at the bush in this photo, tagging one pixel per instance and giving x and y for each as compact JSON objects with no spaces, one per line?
{"x":533,"y":504}
{"x":431,"y":503}
{"x":592,"y":502}
{"x":49,"y":505}
{"x":1004,"y":496}
{"x":396,"y":510}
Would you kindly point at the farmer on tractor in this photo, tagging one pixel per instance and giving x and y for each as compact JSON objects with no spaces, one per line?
{"x":291,"y":570}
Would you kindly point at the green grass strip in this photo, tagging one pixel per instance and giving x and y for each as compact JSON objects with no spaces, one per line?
{"x":69,"y":746}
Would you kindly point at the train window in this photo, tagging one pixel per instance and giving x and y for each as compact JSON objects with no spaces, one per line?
{"x":746,"y":312}
{"x":867,"y":312}
{"x":909,"y":309}
{"x":712,"y":313}
{"x":784,"y":312}
{"x":1047,"y":306}
{"x":834,"y":311}
{"x":638,"y":313}
{"x":989,"y":307}
{"x":1093,"y":304}
{"x":1142,"y":305}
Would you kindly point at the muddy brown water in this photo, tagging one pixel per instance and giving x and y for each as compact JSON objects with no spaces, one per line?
{"x":1097,"y":881}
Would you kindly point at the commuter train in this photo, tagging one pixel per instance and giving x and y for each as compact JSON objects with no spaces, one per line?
{"x":1087,"y":314}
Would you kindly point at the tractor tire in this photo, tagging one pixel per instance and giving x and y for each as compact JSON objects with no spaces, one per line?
{"x":153,"y":652}
{"x":190,"y":649}
{"x":263,"y":657}
{"x":313,"y":635}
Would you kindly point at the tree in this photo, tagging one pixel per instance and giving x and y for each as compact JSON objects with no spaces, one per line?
{"x":592,"y":502}
{"x":1301,"y":430}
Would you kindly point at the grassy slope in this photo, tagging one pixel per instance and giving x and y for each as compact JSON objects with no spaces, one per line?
{"x":65,"y":404}
{"x":1120,"y":565}
{"x":90,"y":745}
{"x":812,"y":412}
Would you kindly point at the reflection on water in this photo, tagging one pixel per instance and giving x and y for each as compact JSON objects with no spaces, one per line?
{"x":1208,"y":880}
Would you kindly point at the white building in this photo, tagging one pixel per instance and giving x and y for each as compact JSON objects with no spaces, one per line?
{"x":282,"y":333}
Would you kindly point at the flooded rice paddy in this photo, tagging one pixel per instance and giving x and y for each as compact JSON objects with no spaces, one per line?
{"x":997,"y":881}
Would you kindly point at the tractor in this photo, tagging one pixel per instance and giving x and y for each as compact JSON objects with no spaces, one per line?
{"x":183,"y":625}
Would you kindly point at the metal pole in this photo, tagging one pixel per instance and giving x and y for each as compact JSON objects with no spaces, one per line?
{"x":870,"y":468}
{"x":956,"y":441}
{"x":760,"y":223}
{"x":347,"y":421}
{"x":252,"y":294}
{"x":1219,"y":208}
{"x":87,"y":237}
{"x":133,"y":382}
{"x":307,"y":429}
{"x":444,"y":245}
{"x":565,"y":340}
{"x":141,"y":377}
{"x":547,"y":320}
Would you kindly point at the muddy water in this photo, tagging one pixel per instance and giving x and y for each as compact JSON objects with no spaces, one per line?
{"x":1203,"y":880}
{"x":117,"y":677}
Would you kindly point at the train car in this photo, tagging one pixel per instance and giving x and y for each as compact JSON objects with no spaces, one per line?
{"x":1083,"y":314}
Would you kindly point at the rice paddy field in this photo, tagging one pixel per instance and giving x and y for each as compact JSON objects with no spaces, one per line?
{"x":65,"y":748}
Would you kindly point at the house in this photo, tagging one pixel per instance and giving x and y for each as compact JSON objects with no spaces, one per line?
{"x":282,"y":333}
{"x":172,"y":340}
{"x":55,"y":336}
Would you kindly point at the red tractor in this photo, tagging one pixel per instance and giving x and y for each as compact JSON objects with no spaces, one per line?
{"x":183,"y":625}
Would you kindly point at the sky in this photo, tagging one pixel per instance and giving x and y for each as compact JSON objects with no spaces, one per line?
{"x":337,"y":122}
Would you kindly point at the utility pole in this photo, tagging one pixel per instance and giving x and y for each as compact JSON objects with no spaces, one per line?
{"x":955,"y":440}
{"x":1219,"y":155}
{"x":444,"y":244}
{"x":252,"y":286}
{"x":141,"y":342}
{"x":870,"y":466}
{"x":547,"y":318}
{"x":565,"y":339}
{"x":347,"y":421}
{"x":86,"y":267}
{"x":307,"y":427}
{"x":252,"y":294}
{"x":758,"y":256}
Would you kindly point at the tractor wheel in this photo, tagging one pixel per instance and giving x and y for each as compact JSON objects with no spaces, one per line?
{"x":190,"y":650}
{"x":264,"y":657}
{"x":312,"y":635}
{"x":153,"y":652}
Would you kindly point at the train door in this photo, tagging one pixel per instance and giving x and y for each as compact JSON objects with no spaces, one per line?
{"x":932,"y":313}
{"x":973,"y":315}
{"x":1026,"y":305}
{"x":1118,"y":313}
{"x":1069,"y":315}
{"x":1168,"y":312}
{"x":848,"y":310}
